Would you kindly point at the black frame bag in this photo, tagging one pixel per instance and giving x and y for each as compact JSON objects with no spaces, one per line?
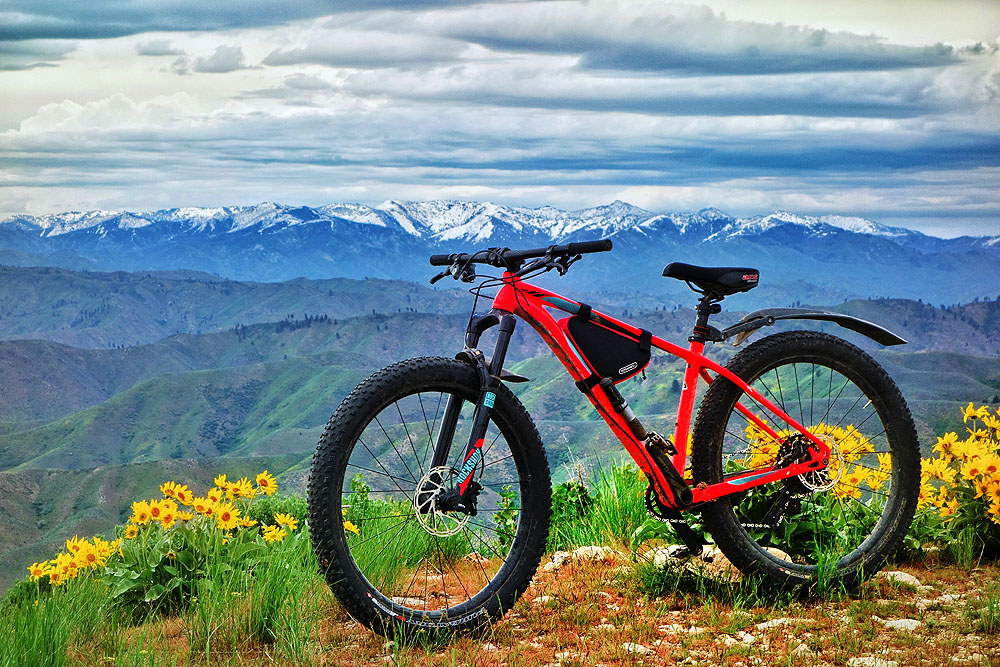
{"x":610,"y":352}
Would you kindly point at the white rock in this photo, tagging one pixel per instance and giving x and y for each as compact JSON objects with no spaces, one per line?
{"x":745,"y":638}
{"x":541,"y":599}
{"x":895,"y":576}
{"x":563,"y":655}
{"x":801,"y":649}
{"x":489,"y":648}
{"x":558,"y":558}
{"x":636,"y":648}
{"x":729,"y":641}
{"x":413,"y":603}
{"x":903,"y":624}
{"x":594,"y":553}
{"x":773,"y":623}
{"x":869,"y":661}
{"x":604,"y":627}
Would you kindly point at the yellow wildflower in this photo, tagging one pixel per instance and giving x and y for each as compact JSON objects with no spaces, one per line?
{"x":273,"y":533}
{"x":131,"y":531}
{"x":286,"y":520}
{"x":227,"y":516}
{"x":73,"y":544}
{"x":948,"y":509}
{"x":203,"y":506}
{"x":183,"y":494}
{"x":56,"y":578}
{"x":184,"y":516}
{"x":974,"y":413}
{"x":215,"y":495}
{"x":972,"y":469}
{"x":351,"y":528}
{"x":220,"y":480}
{"x":140,"y":512}
{"x":266,"y":483}
{"x":169,"y":489}
{"x":38,"y":570}
{"x":945,"y":446}
{"x":155,"y":510}
{"x":243,"y":488}
{"x":248,"y":523}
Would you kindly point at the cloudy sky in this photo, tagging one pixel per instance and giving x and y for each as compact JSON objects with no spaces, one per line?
{"x":879,"y":108}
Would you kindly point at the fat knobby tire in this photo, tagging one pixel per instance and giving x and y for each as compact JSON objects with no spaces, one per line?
{"x":709,"y":429}
{"x":327,"y":475}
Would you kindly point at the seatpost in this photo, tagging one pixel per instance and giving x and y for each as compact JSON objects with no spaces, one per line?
{"x":707,"y":305}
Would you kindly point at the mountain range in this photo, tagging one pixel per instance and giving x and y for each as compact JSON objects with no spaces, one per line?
{"x":825,"y":259}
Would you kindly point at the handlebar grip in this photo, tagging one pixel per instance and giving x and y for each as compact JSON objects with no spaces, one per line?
{"x":441,"y":260}
{"x":584,"y":247}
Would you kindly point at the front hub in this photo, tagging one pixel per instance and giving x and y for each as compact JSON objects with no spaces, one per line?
{"x":435,"y":514}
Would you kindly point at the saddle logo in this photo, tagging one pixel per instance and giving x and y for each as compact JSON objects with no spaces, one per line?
{"x":751,"y":276}
{"x":625,"y":369}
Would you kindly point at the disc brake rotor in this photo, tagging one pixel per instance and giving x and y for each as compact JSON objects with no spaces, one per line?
{"x":823,"y":480}
{"x":436,"y":521}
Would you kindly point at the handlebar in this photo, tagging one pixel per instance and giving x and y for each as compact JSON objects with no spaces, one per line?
{"x":503,"y":257}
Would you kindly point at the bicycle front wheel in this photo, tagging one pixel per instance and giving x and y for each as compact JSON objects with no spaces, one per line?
{"x":392,"y":557}
{"x":837,"y":524}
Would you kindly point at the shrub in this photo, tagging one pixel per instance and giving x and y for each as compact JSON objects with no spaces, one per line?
{"x":960,"y":487}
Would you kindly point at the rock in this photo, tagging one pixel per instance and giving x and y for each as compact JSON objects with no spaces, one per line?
{"x":729,"y":641}
{"x":895,"y":576}
{"x":778,"y":553}
{"x":489,"y":648}
{"x":745,"y":638}
{"x":541,"y":599}
{"x":594,"y":553}
{"x":801,"y":649}
{"x":903,"y":624}
{"x":604,"y":627}
{"x":773,"y":623}
{"x":558,"y":558}
{"x":869,"y":661}
{"x":638,"y":649}
{"x":563,"y":655}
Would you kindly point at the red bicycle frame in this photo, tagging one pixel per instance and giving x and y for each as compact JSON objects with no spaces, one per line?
{"x":530,"y":303}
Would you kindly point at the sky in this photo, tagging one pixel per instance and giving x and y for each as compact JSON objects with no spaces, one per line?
{"x":882,"y":109}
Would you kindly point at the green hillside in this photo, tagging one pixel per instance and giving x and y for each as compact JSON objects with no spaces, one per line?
{"x":102,"y":310}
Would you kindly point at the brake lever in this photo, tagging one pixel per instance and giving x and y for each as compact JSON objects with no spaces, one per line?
{"x":443,"y":274}
{"x":563,"y":263}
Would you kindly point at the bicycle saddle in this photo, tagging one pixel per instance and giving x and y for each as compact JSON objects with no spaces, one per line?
{"x":719,"y":280}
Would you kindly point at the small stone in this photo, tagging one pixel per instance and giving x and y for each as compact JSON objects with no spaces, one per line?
{"x":534,"y":645}
{"x":388,"y":645}
{"x":563,"y":655}
{"x":903,"y":624}
{"x":729,"y":641}
{"x":604,"y":627}
{"x":773,"y":623}
{"x":558,"y":559}
{"x":745,"y":638}
{"x":489,"y":648}
{"x":638,"y":649}
{"x":541,"y":599}
{"x":801,"y":649}
{"x":895,"y":576}
{"x":869,"y":661}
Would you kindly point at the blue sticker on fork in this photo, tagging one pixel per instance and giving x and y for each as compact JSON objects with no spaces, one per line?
{"x":489,"y":399}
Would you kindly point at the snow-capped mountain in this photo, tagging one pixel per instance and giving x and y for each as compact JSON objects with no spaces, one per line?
{"x":272,"y":241}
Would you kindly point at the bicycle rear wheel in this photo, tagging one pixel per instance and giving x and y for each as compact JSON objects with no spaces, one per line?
{"x":838,"y":524}
{"x":393,"y":558}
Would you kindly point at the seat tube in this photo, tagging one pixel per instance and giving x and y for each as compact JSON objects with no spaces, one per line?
{"x":686,"y":405}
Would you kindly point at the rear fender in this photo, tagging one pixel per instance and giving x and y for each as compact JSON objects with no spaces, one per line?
{"x":768,"y":316}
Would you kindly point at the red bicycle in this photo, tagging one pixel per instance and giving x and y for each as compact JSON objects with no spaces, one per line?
{"x":429,"y":493}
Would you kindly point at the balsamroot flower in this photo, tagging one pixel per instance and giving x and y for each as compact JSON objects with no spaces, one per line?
{"x":266,"y":483}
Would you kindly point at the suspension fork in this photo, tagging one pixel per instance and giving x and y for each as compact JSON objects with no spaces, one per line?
{"x":489,"y":381}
